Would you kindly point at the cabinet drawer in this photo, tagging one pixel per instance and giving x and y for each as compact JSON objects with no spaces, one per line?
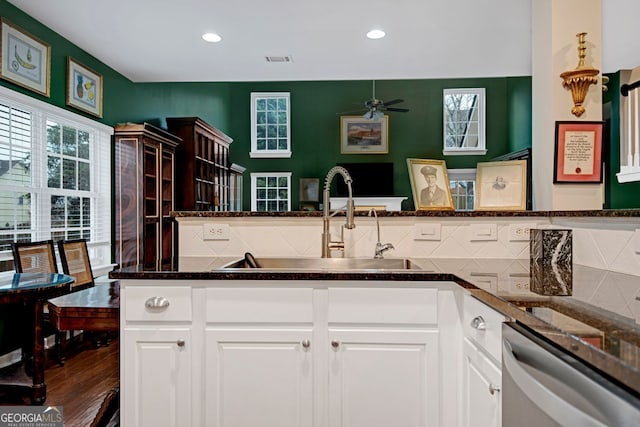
{"x":487,"y":336}
{"x":251,"y":305}
{"x":166,"y":303}
{"x":383,"y":305}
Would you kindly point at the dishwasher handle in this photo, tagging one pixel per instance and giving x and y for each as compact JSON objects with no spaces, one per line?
{"x":558,"y":409}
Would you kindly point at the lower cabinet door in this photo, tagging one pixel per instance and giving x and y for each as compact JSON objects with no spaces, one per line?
{"x":156,"y":378}
{"x":258,"y":377}
{"x":383,"y":378}
{"x":482,"y":398}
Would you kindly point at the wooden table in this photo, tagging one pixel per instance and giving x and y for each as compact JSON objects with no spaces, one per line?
{"x":92,"y":309}
{"x":30,"y":291}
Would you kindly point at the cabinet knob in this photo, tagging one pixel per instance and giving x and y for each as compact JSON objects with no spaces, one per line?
{"x":181,"y":344}
{"x":478,"y":323}
{"x":335,"y":344}
{"x":156,"y":302}
{"x":306,"y":344}
{"x":493,"y":389}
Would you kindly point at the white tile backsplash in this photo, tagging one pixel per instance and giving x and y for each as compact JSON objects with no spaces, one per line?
{"x":605,"y":243}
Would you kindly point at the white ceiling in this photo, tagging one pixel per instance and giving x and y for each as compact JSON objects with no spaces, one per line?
{"x":160,"y":40}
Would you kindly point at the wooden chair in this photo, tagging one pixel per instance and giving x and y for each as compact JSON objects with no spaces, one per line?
{"x":75,"y":261}
{"x":34,"y":257}
{"x":39,"y":257}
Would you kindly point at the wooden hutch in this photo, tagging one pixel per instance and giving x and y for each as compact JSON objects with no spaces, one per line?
{"x":204,"y":181}
{"x":144,"y":194}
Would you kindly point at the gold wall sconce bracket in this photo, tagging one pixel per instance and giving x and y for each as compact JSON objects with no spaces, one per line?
{"x":579,"y":79}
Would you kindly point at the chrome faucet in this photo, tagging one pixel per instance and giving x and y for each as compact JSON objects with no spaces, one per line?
{"x":327,"y":244}
{"x":380,"y":247}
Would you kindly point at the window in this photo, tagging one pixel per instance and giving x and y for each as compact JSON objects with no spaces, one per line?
{"x":462,"y":183}
{"x":464,"y":122}
{"x":271,"y":191}
{"x":54,"y":177}
{"x":270,"y":125}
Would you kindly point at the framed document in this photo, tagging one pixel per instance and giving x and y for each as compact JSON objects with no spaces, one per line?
{"x":578,"y":152}
{"x":501,"y":185}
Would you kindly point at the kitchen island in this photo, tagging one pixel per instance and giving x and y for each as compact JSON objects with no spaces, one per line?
{"x":305,"y":311}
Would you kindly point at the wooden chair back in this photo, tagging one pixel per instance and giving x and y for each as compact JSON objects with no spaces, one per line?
{"x":74,"y":258}
{"x":34,"y":257}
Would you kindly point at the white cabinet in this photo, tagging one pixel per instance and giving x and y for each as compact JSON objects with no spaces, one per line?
{"x":156,"y":387}
{"x":383,"y":357}
{"x":481,"y":370}
{"x":259,"y":377}
{"x":481,"y":389}
{"x":259,"y":354}
{"x":156,"y":353}
{"x":288,"y":357}
{"x":382,"y":377}
{"x":307,"y":354}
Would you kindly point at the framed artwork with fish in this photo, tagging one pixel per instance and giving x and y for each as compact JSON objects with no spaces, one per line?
{"x":501,"y":185}
{"x":26,"y":60}
{"x":84,"y":88}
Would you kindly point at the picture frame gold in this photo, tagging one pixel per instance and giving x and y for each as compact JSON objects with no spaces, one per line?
{"x":84,"y":88}
{"x":363,"y":136}
{"x":430,"y":184}
{"x":501,"y":186}
{"x":26,"y":60}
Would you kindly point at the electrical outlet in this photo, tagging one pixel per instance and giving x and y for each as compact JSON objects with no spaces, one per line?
{"x":429,"y":231}
{"x":483,"y":232}
{"x":519,"y":283}
{"x":213,"y":231}
{"x":520,"y":232}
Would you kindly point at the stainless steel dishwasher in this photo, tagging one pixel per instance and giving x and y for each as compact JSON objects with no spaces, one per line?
{"x":543,"y":386}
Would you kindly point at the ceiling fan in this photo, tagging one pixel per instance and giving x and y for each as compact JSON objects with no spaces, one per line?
{"x":375,"y":108}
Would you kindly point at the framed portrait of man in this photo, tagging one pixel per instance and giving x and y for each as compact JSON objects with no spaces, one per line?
{"x":430,"y":184}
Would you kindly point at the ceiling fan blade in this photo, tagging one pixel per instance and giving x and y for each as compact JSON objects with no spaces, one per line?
{"x":397,"y":110}
{"x":360,"y":111}
{"x":393,"y":101}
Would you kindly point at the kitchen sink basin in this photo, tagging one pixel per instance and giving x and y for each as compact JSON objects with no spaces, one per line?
{"x":323,"y":264}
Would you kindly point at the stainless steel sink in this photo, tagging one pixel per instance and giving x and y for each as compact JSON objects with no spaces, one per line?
{"x":323,"y":264}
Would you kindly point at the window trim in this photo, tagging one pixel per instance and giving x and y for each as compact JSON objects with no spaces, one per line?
{"x":100,"y":250}
{"x":255,"y":153}
{"x":254,"y":178}
{"x":481,"y":149}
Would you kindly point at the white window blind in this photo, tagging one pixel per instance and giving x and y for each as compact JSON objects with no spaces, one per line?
{"x":54,"y":177}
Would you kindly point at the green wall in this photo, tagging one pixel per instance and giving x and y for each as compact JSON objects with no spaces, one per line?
{"x":315,"y":125}
{"x":618,"y":196}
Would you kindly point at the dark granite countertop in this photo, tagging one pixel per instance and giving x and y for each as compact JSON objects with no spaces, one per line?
{"x":588,"y":323}
{"x":607,"y":213}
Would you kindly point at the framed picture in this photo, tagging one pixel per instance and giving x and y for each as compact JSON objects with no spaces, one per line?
{"x":309,"y":190}
{"x":362,"y":136}
{"x":84,"y":88}
{"x":26,"y":60}
{"x":430,"y":184}
{"x":501,"y":185}
{"x":578,"y":152}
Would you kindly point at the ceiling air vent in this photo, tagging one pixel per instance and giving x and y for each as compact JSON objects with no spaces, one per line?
{"x":286,"y":58}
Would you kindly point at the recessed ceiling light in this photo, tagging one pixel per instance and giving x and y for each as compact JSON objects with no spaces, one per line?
{"x":376,"y":34}
{"x":211,"y":37}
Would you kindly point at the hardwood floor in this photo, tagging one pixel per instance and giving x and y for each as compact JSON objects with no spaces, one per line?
{"x":88,"y":376}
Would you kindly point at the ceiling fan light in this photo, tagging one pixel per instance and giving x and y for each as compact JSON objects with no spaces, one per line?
{"x":373,"y":115}
{"x":376,"y":34}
